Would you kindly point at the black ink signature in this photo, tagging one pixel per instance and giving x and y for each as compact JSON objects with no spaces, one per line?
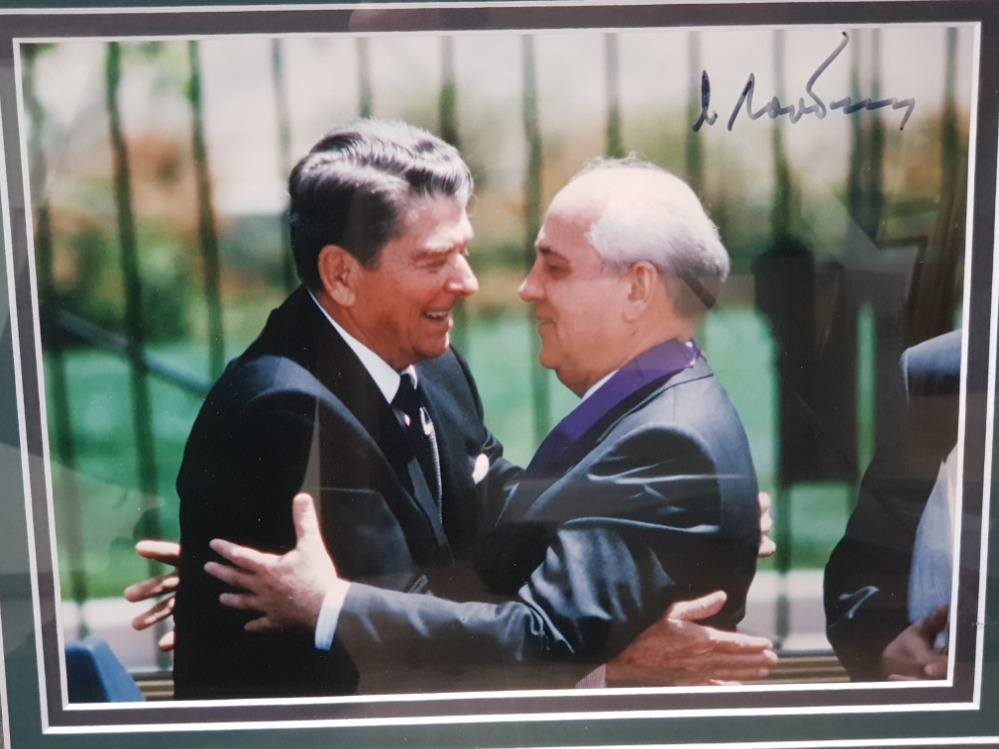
{"x":774,"y":109}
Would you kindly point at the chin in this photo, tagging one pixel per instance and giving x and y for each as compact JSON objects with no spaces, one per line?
{"x":435,"y":350}
{"x":547,"y":364}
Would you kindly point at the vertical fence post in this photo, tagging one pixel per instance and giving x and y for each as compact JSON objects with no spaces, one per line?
{"x":540,"y":396}
{"x":447,"y":105}
{"x":615,"y":147}
{"x":694,"y":155}
{"x":70,"y":531}
{"x":288,"y":272}
{"x":365,"y":96}
{"x":781,"y":231}
{"x":866,"y":206}
{"x":134,"y":330}
{"x":694,"y":152}
{"x":876,"y":196}
{"x":865,"y":189}
{"x":206,"y":219}
{"x":781,"y":215}
{"x":934,"y":292}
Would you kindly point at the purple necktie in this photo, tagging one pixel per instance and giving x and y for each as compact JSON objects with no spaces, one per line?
{"x":658,"y":363}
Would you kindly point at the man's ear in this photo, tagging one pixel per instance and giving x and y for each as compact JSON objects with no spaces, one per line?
{"x":644,"y":283}
{"x":338,"y":273}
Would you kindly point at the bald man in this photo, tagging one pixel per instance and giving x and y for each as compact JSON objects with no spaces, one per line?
{"x":643,"y":496}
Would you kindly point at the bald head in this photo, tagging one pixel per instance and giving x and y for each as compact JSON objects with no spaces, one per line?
{"x":626,"y":259}
{"x":639,"y":212}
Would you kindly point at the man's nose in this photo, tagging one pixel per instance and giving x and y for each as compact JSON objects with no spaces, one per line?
{"x":463,"y":281}
{"x":529,"y":290}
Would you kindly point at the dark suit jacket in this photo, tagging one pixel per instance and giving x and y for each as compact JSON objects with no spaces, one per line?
{"x":659,"y":505}
{"x":867,"y":577}
{"x":297,"y":411}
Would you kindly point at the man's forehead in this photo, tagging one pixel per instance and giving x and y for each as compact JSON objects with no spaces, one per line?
{"x":568,"y":218}
{"x":563,"y":238}
{"x":436,"y":220}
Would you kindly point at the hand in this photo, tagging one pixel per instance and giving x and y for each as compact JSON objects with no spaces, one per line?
{"x":166,"y":552}
{"x":767,"y":545}
{"x":912,"y":656}
{"x":287,"y":589}
{"x":676,"y":651}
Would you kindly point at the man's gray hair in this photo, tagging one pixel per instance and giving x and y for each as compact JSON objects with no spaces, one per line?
{"x":665,"y":225}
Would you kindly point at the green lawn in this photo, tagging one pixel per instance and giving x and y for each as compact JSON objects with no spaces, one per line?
{"x":736,"y":342}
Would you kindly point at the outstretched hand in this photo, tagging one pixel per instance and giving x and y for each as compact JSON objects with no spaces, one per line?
{"x":912,"y":655}
{"x":286,"y":589}
{"x":677,"y":651}
{"x":166,"y":552}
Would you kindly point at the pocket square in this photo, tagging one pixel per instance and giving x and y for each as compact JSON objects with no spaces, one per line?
{"x":480,"y":468}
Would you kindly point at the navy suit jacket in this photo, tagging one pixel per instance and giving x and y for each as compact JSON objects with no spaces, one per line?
{"x":659,"y":505}
{"x":867,"y":577}
{"x":298,"y":411}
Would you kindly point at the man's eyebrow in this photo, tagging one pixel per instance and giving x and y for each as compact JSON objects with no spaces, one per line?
{"x":432,"y":253}
{"x":547,"y":252}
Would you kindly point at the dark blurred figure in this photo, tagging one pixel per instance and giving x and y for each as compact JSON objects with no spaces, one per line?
{"x":876,"y":617}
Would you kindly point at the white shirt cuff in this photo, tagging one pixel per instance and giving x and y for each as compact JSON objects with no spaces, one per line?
{"x":329,"y":614}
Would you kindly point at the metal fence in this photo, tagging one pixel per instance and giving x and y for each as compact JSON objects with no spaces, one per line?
{"x":784,"y":273}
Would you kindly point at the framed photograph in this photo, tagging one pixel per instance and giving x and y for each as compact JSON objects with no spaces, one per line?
{"x":156,"y":197}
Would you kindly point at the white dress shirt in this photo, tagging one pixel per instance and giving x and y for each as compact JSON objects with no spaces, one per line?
{"x":387,"y":380}
{"x":932,"y":570}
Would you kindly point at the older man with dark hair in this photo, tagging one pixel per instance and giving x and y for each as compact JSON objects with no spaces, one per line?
{"x":380,"y":235}
{"x":643,"y":496}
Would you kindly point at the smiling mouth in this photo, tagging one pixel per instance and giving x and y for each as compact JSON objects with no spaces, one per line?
{"x":441,"y":316}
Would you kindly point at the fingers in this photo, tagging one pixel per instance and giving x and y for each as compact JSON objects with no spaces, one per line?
{"x":724,"y":677}
{"x":242,"y":556}
{"x":233,"y":576}
{"x":249,"y":602}
{"x":718,"y":665}
{"x":159,"y":612}
{"x":697,"y":609}
{"x":935,"y":621}
{"x":167,"y":642}
{"x":241,"y":601}
{"x":167,"y":552}
{"x":768,"y":547}
{"x":935,"y":669}
{"x":736,"y":643}
{"x":764,"y":499}
{"x":153,"y":587}
{"x":725,"y":666}
{"x":691,"y":671}
{"x":261,"y":624}
{"x":306,"y":519}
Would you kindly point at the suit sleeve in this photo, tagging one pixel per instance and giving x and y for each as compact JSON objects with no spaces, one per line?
{"x":637,"y":533}
{"x":239,"y":485}
{"x":867,"y":576}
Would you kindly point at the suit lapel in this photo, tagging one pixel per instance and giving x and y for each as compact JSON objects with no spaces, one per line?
{"x":532,"y":487}
{"x":455,"y":470}
{"x":300,"y":331}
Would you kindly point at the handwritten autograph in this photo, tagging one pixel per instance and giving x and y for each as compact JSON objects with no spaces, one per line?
{"x":774,"y":109}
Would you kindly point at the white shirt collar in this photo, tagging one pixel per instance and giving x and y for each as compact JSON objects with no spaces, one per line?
{"x":596,"y":385}
{"x":386,"y":378}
